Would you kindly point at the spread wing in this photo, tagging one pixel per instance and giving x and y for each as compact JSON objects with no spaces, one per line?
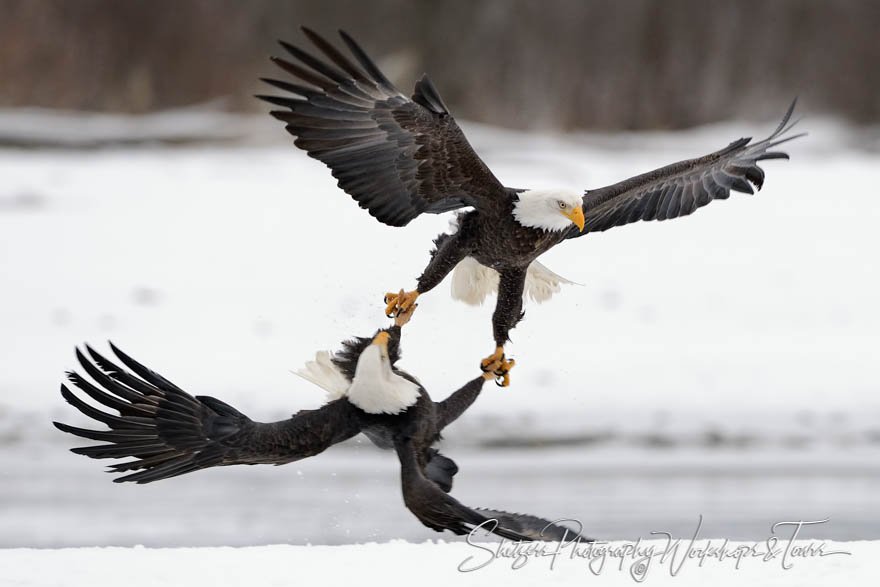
{"x":169,"y":432}
{"x":679,"y":189}
{"x":396,"y":157}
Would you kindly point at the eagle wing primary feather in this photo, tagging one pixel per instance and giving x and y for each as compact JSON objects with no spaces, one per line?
{"x":679,"y":189}
{"x":169,"y":432}
{"x":396,"y":157}
{"x":533,"y":527}
{"x":436,"y":509}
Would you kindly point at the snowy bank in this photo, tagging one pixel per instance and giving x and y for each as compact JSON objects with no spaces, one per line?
{"x":802,"y":563}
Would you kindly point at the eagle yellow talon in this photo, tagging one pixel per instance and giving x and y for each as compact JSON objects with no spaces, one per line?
{"x":495,"y":357}
{"x":498,"y":367}
{"x":399,"y":302}
{"x":502,"y":373}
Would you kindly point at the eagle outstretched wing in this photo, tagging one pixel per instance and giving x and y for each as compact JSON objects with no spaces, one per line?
{"x":679,"y":189}
{"x":169,"y":432}
{"x":396,"y":157}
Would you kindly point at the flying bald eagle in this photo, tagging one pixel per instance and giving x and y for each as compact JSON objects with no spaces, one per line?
{"x":169,"y":432}
{"x":400,"y":157}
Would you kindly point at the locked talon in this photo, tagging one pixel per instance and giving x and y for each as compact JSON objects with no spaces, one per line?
{"x":502,"y":371}
{"x":498,"y":355}
{"x":391,"y":300}
{"x":489,"y":371}
{"x":391,"y":309}
{"x":402,"y":318}
{"x":399,"y":302}
{"x":406,"y":303}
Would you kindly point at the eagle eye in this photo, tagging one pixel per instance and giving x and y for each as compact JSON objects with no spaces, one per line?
{"x":561,"y":204}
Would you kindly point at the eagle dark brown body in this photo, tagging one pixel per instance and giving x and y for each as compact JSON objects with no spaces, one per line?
{"x":169,"y":432}
{"x":400,"y":157}
{"x":498,"y":242}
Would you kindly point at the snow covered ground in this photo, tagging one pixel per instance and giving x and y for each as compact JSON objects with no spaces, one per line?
{"x":655,"y":562}
{"x":740,"y":344}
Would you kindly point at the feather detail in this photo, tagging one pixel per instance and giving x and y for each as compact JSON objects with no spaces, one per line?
{"x":542,"y":283}
{"x":472,"y":282}
{"x":376,"y":389}
{"x":323,"y":373}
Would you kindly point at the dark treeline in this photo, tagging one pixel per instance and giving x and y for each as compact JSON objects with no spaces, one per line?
{"x":603,"y":64}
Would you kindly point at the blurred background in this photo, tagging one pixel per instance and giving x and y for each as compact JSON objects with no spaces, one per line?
{"x":726,"y":364}
{"x":564,"y":65}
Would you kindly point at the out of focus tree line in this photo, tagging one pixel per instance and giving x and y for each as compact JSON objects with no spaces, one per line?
{"x":565,"y":64}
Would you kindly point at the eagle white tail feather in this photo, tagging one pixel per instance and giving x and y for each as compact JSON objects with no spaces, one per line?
{"x":323,"y":373}
{"x":472,"y":282}
{"x":542,"y":283}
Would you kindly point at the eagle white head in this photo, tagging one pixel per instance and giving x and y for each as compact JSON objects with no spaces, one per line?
{"x":376,"y":388}
{"x":555,"y":209}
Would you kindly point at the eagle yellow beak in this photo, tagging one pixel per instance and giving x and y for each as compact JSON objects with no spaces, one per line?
{"x":381,"y":339}
{"x":576,"y":216}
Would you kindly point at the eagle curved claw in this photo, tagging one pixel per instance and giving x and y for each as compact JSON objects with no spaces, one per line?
{"x":502,"y":373}
{"x":399,"y":302}
{"x":495,"y":357}
{"x":496,"y":365}
{"x":403,"y":317}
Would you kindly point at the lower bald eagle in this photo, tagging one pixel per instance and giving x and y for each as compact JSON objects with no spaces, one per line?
{"x":169,"y":432}
{"x":400,"y":157}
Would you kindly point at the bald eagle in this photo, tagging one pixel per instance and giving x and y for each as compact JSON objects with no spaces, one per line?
{"x":170,"y":432}
{"x":400,"y":157}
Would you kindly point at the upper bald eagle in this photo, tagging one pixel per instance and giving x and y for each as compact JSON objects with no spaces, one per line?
{"x":399,"y":157}
{"x":169,"y":432}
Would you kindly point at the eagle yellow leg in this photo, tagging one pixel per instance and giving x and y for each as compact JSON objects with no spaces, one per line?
{"x":498,"y":366}
{"x":399,"y":302}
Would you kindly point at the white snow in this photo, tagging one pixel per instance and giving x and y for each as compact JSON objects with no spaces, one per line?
{"x":430,"y":564}
{"x":38,"y":127}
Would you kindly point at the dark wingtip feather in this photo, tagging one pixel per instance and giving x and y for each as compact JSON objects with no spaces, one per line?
{"x":274,"y":100}
{"x":99,"y":359}
{"x":427,"y":95}
{"x":367,"y":63}
{"x":790,"y":110}
{"x":281,"y":115}
{"x":773,"y":155}
{"x":116,"y":350}
{"x":287,"y":46}
{"x":80,"y":357}
{"x":784,"y":126}
{"x":741,"y":186}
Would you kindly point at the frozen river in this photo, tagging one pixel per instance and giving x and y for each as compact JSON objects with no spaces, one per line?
{"x":351,"y":494}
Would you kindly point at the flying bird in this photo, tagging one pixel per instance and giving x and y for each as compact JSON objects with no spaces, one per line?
{"x":400,"y":157}
{"x":169,"y":432}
